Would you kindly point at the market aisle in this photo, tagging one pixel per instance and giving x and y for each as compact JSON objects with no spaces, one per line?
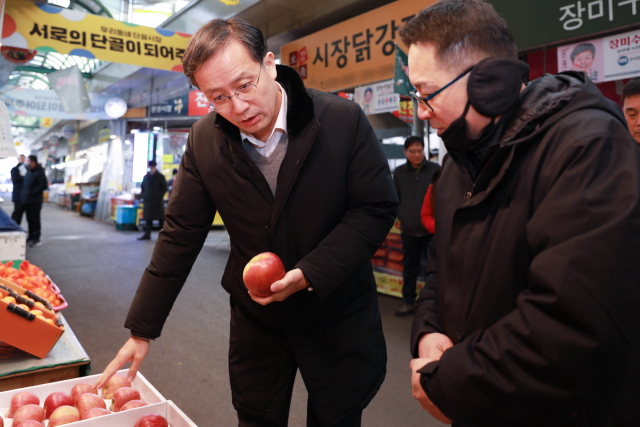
{"x":98,"y":269}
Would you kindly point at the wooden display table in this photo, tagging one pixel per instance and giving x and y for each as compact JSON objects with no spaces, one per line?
{"x":65,"y":361}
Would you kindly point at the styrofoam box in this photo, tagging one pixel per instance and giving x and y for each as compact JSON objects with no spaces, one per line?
{"x":13,"y":245}
{"x":148,"y":394}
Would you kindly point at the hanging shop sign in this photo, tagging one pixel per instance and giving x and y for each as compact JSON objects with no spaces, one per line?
{"x":171,"y":107}
{"x":406,"y":110}
{"x":45,"y":103}
{"x":402,"y":85}
{"x":17,"y":55}
{"x":377,"y":98}
{"x":535,"y":23}
{"x":357,"y":51}
{"x":192,"y":104}
{"x":43,"y":27}
{"x":604,"y":59}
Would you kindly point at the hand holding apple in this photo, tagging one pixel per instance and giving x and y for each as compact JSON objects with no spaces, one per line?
{"x":294,"y":281}
{"x":261,"y":272}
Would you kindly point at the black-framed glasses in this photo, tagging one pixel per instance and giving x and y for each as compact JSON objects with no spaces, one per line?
{"x":425,"y":101}
{"x":245,"y":92}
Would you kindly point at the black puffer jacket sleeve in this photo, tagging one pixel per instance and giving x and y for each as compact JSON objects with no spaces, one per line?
{"x":188,"y":219}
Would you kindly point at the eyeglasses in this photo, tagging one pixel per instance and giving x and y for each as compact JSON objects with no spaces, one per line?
{"x":245,"y":92}
{"x":425,"y":101}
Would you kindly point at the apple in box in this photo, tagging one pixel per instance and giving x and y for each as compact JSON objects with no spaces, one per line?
{"x":54,"y":401}
{"x":82,"y":388}
{"x":133,"y":404}
{"x":64,"y":415}
{"x":261,"y":272}
{"x":114,"y":383}
{"x":86,"y":401}
{"x":151,"y":420}
{"x":30,"y":423}
{"x":26,"y":413}
{"x":122,"y":396}
{"x":96,"y":412}
{"x":21,"y":399}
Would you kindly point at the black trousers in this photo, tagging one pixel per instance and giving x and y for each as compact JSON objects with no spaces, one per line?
{"x":33,"y":219}
{"x":18,"y":210}
{"x":262,"y":370}
{"x":148,"y":226}
{"x":413,"y":248}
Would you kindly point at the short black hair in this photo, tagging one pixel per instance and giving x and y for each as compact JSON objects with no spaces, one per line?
{"x":413,"y":140}
{"x":175,"y":171}
{"x":463,"y":32}
{"x":213,"y":36}
{"x":33,"y":159}
{"x":631,"y":89}
{"x":152,"y":163}
{"x":583,"y":47}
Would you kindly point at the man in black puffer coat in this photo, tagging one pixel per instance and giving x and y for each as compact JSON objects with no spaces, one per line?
{"x":34,"y":184}
{"x":529,"y":315}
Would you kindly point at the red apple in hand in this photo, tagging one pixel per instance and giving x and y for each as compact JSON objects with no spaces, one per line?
{"x":54,"y":401}
{"x":86,"y":401}
{"x":95,"y":412}
{"x":122,"y":396}
{"x":261,"y":272}
{"x":151,"y":420}
{"x":26,"y":413}
{"x":64,"y":415}
{"x":21,"y":399}
{"x":132,"y":404}
{"x":82,"y":388}
{"x":115,"y":382}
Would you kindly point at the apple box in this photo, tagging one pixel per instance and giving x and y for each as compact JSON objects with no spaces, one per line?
{"x":21,"y":328}
{"x":148,"y":394}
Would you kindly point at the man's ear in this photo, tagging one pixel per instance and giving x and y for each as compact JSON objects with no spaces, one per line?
{"x":270,"y":64}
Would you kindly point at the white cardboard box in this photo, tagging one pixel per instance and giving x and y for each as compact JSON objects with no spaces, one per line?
{"x":13,"y":245}
{"x":148,"y":394}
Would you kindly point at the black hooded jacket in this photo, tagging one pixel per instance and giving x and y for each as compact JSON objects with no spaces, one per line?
{"x":34,"y":184}
{"x":534,"y":271}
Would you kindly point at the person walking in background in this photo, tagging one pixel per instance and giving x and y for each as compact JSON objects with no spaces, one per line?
{"x":18,"y":173}
{"x":631,"y":107}
{"x":412,"y":181}
{"x":172,"y":181}
{"x":154,"y":187}
{"x":34,"y":184}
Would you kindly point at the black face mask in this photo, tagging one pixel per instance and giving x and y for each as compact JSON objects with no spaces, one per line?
{"x":493,"y":89}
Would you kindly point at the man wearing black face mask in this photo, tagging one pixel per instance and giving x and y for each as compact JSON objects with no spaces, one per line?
{"x":529,"y":315}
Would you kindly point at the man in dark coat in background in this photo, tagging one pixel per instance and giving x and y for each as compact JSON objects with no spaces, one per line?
{"x":529,"y":315}
{"x":292,"y":171}
{"x":412,"y":180}
{"x":18,"y":173}
{"x":154,"y":187}
{"x":34,"y":184}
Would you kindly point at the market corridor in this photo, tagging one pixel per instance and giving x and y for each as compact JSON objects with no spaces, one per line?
{"x":98,"y":269}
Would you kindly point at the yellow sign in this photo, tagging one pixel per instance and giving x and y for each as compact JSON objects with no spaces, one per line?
{"x":46,"y":28}
{"x":103,"y":135}
{"x":47,"y":122}
{"x":230,"y":2}
{"x":357,"y":51}
{"x":167,"y":158}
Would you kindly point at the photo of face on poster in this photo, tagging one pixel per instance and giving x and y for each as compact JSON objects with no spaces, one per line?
{"x":586,"y":57}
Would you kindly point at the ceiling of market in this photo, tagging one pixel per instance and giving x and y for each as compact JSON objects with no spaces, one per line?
{"x":281,"y":21}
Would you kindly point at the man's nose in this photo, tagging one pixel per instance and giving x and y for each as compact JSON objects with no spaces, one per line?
{"x":238,"y":105}
{"x":425,"y":113}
